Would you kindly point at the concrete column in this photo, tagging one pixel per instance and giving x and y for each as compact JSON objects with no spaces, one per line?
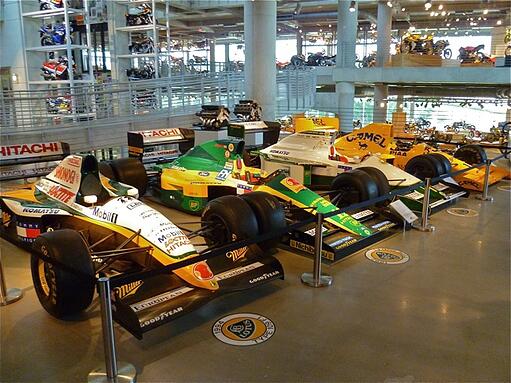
{"x":260,"y":19}
{"x":212,"y":59}
{"x":226,"y":50}
{"x":347,"y":23}
{"x":380,"y":94}
{"x":345,"y":93}
{"x":346,"y":41}
{"x":299,"y":43}
{"x":384,"y":28}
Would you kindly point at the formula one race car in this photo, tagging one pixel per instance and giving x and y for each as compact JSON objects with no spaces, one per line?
{"x":216,"y":168}
{"x":311,"y":158}
{"x":80,"y":224}
{"x":421,"y":160}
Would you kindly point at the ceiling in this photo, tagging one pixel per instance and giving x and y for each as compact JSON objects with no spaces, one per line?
{"x":222,"y":19}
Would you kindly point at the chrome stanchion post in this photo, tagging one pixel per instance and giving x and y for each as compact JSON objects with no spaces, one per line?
{"x":485,"y":196}
{"x":316,"y":278}
{"x":118,"y":372}
{"x":8,"y":296}
{"x":423,"y":225}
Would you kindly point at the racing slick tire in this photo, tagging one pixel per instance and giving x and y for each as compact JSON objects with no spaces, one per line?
{"x":230,"y":219}
{"x":471,"y":154}
{"x":132,"y":172}
{"x":424,"y":166}
{"x":444,"y":162}
{"x":106,"y":169}
{"x":379,"y":177}
{"x":61,"y":292}
{"x":269,"y":213}
{"x":354,"y":186}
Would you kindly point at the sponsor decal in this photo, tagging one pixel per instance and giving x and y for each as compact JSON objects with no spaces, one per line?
{"x":244,"y":187}
{"x":128,"y":289}
{"x":65,"y":174}
{"x":134,"y":205}
{"x":264,"y":277}
{"x":6,"y":218}
{"x":165,"y":297}
{"x":237,"y":254}
{"x":469,"y":183}
{"x":37,"y":211}
{"x":202,"y":271}
{"x":345,"y":168}
{"x":281,"y":152}
{"x":383,"y":225}
{"x":238,"y":271}
{"x":203,"y":174}
{"x":462,"y":212}
{"x":105,"y":215}
{"x":244,"y":329}
{"x":365,"y":136}
{"x":30,"y":150}
{"x":387,"y":256}
{"x":223,"y":174}
{"x":162,"y":316}
{"x":61,"y":193}
{"x":342,"y":241}
{"x":362,"y":214}
{"x":230,"y":147}
{"x":398,"y":153}
{"x":312,"y":232}
{"x":193,"y":205}
{"x":292,"y":184}
{"x":174,"y":241}
{"x":504,"y":188}
{"x":161,"y":133}
{"x":27,"y":231}
{"x":74,"y":161}
{"x":415,"y":195}
{"x":310,"y":249}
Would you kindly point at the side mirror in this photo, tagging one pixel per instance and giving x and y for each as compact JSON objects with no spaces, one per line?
{"x":90,"y":199}
{"x":132,"y":192}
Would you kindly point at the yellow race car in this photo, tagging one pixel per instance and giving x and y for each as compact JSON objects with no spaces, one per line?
{"x":420,"y":160}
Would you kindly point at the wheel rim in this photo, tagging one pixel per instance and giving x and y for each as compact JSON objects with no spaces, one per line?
{"x":219,"y":232}
{"x":348,"y":195}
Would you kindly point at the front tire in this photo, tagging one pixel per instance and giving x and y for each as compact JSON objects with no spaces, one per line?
{"x":471,"y":154}
{"x":353,"y":187}
{"x":61,"y":292}
{"x":130,"y":171}
{"x":424,"y":166}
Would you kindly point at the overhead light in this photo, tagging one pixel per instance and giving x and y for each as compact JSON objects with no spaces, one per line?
{"x":412,"y":28}
{"x":440,"y":7}
{"x":389,"y":3}
{"x":457,"y":19}
{"x":298,"y":8}
{"x":499,"y":22}
{"x":436,"y":13}
{"x":329,"y":25}
{"x":300,"y":31}
{"x":14,"y":78}
{"x":432,"y":13}
{"x":353,"y":5}
{"x":448,"y":24}
{"x":485,"y":12}
{"x":443,"y":13}
{"x":427,"y":4}
{"x":403,"y":9}
{"x":382,"y":105}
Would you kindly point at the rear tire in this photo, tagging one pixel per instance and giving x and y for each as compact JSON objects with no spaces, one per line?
{"x":269,"y":213}
{"x":444,"y":162}
{"x":61,"y":292}
{"x":424,"y":166}
{"x":354,"y":186}
{"x":471,"y":154}
{"x":132,"y":172}
{"x":230,"y":218}
{"x":106,"y":170}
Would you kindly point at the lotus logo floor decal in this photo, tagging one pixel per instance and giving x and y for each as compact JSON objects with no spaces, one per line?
{"x":504,"y":188}
{"x":244,"y":329}
{"x":462,"y":212}
{"x":387,"y":256}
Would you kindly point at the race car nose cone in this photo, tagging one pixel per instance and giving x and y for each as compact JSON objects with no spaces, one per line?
{"x":202,"y":271}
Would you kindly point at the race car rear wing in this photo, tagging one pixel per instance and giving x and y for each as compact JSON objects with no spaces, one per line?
{"x":30,"y":160}
{"x":159,"y":145}
{"x":268,"y":130}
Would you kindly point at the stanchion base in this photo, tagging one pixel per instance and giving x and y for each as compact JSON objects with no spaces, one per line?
{"x":324,"y":280}
{"x":126,"y":373}
{"x":418,"y":226}
{"x":12,"y":296}
{"x":487,"y":198}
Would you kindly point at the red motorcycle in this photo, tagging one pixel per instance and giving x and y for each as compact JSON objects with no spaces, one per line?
{"x":474,"y":55}
{"x":56,"y":69}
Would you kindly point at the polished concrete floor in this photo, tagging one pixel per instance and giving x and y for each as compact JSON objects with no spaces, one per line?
{"x":442,"y":316}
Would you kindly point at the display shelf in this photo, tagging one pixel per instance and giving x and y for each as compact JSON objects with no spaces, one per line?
{"x":135,"y":56}
{"x":51,"y":48}
{"x":139,"y":28}
{"x":138,"y":2}
{"x":53,"y":12}
{"x":59,"y":82}
{"x":68,"y":115}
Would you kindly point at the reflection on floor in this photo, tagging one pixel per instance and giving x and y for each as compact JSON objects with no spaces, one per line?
{"x":442,"y":316}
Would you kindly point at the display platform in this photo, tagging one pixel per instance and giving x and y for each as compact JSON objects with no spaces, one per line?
{"x":415,"y":60}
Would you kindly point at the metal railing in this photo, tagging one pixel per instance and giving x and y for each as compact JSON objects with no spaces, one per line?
{"x":58,"y":108}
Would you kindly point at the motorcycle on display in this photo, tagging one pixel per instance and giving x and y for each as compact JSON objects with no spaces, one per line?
{"x":143,"y":46}
{"x":414,"y":43}
{"x":147,"y":72}
{"x":440,"y":49}
{"x":56,"y":69}
{"x":422,"y":123}
{"x":357,"y":124}
{"x":55,"y":35}
{"x":45,"y":5}
{"x":507,"y":41}
{"x":368,"y":61}
{"x":140,"y":15}
{"x":317,"y":59}
{"x":298,"y":61}
{"x":198,"y":60}
{"x":281,"y":64}
{"x":58,"y":105}
{"x":469,"y":55}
